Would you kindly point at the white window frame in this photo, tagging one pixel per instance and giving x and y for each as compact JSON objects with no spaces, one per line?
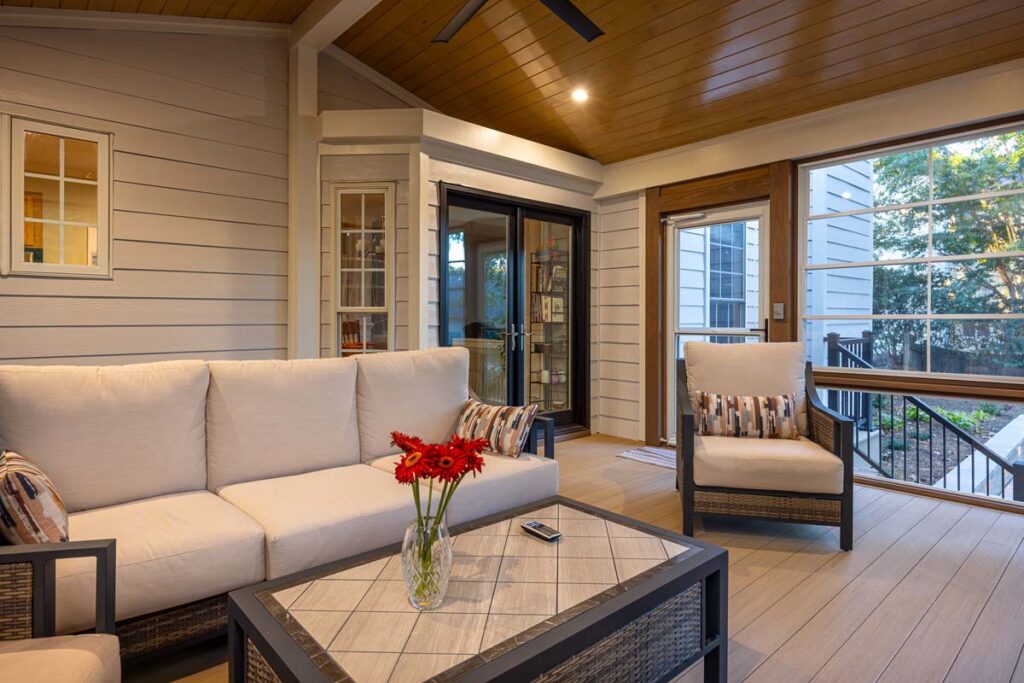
{"x":338,"y":190}
{"x":804,"y":219}
{"x":14,"y":230}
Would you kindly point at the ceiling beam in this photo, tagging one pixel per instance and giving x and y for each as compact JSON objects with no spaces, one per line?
{"x":324,"y":20}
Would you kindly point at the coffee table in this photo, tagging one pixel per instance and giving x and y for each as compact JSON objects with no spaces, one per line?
{"x":614,"y":599}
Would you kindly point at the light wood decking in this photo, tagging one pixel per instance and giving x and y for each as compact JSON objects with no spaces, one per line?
{"x":931,"y":591}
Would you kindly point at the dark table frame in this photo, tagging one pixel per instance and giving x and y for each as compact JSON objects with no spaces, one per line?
{"x":248,"y":618}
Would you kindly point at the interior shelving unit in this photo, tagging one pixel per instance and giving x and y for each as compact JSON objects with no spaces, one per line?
{"x":549,"y":344}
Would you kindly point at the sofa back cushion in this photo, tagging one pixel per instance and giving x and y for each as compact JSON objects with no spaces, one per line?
{"x":420,"y":393}
{"x":109,"y":435}
{"x":747,"y":370}
{"x":273,"y":418}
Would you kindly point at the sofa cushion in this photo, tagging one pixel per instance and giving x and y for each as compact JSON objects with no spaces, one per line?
{"x":171,"y":550}
{"x":271,"y":418}
{"x":317,"y":517}
{"x":747,"y":370}
{"x":109,"y":435}
{"x":772,"y":464}
{"x":89,"y":658}
{"x":420,"y":393}
{"x":503,"y":484}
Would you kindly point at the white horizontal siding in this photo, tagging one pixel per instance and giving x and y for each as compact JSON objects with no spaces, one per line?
{"x":200,"y":195}
{"x":618,"y":350}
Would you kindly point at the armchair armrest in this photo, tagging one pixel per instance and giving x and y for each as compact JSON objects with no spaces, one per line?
{"x":28,"y":577}
{"x":547,"y":425}
{"x":828,"y":429}
{"x":686,"y":428}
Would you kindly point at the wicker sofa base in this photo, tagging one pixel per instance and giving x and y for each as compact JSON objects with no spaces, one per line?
{"x":813,"y":510}
{"x":152,"y":632}
{"x":15,"y":601}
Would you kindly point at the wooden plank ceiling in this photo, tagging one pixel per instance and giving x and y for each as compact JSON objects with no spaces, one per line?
{"x":669,"y":73}
{"x":277,"y":11}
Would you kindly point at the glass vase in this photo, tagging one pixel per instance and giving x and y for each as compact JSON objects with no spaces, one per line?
{"x":426,"y":562}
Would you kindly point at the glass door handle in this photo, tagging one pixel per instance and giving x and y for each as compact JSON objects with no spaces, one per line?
{"x":523,"y":332}
{"x":513,"y":334}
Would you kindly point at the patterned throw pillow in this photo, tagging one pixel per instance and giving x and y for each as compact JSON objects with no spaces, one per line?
{"x":504,"y":427}
{"x":31,"y":510}
{"x":758,"y":417}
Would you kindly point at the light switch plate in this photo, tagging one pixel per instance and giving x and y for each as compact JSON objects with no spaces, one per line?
{"x":778,"y":311}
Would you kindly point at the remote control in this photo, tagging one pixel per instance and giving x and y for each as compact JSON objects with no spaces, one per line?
{"x":542,"y":531}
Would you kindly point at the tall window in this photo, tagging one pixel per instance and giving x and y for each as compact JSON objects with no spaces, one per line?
{"x":727,"y":269}
{"x":364,"y":220}
{"x":914,"y":259}
{"x":60,"y":200}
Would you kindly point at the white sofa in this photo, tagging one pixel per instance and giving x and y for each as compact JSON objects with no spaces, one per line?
{"x":217,"y":475}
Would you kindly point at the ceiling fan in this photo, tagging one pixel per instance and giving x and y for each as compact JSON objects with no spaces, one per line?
{"x":564,"y":9}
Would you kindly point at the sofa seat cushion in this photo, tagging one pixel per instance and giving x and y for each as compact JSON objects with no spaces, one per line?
{"x":171,"y":550}
{"x":87,"y":658}
{"x":317,"y":517}
{"x":273,"y":418}
{"x":109,"y":435}
{"x":505,"y":483}
{"x":771,"y":464}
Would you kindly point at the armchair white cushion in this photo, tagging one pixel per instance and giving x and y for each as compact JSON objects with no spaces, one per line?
{"x":748,"y":370}
{"x":800,"y":466}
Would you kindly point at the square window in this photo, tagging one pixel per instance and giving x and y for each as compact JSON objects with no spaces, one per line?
{"x":60,"y":182}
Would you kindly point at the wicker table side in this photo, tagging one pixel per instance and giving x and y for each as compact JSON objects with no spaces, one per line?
{"x":649,"y":648}
{"x":257,"y":669}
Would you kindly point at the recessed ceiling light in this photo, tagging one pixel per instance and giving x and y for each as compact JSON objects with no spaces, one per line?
{"x":845,"y":194}
{"x":580,"y":95}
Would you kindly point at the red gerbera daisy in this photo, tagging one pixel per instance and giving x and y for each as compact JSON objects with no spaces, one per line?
{"x":448,"y":462}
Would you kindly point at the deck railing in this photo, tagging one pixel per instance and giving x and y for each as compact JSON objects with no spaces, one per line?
{"x":902,"y":437}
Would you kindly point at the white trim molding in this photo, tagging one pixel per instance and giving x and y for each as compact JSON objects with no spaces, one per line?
{"x":450,"y":139}
{"x":38,"y":17}
{"x":323,"y":21}
{"x":377,"y":78}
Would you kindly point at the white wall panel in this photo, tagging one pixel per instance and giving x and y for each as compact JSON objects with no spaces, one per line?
{"x":200,"y":198}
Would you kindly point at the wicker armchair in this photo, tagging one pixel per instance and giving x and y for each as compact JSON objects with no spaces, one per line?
{"x":29,"y":647}
{"x":826,"y":429}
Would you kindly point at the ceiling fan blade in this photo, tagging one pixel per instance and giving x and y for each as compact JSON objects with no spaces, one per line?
{"x":576,"y":19}
{"x":459,"y":20}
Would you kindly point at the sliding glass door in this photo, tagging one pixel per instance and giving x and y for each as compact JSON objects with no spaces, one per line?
{"x":478,"y":296}
{"x":510,"y":294}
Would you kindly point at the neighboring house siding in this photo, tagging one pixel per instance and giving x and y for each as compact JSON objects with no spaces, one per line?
{"x":369,"y":169}
{"x":845,"y":239}
{"x":617,"y":368}
{"x":200,"y":195}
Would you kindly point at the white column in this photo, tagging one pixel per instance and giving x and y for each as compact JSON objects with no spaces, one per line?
{"x":303,"y":206}
{"x":419,"y":248}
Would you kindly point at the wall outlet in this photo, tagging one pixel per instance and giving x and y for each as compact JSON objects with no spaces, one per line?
{"x":778,"y":311}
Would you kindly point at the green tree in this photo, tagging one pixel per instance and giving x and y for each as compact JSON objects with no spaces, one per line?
{"x":993,"y":225}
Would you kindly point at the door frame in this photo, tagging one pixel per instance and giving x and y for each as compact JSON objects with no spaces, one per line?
{"x":578,"y":416}
{"x":747,"y":211}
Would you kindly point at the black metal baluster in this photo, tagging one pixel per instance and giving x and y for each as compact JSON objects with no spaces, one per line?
{"x":945,"y":468}
{"x":905,"y":477}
